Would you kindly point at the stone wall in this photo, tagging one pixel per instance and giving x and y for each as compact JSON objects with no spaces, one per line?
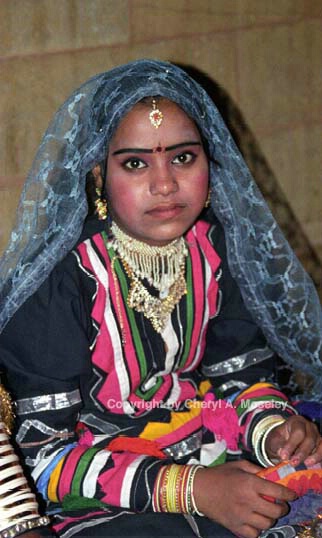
{"x":265,"y":55}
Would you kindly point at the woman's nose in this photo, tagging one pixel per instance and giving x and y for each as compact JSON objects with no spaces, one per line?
{"x":163,"y":182}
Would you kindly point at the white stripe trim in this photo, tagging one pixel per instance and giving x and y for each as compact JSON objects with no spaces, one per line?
{"x":37,"y":471}
{"x":171,"y":345}
{"x":110,"y":321}
{"x":90,"y":480}
{"x":208,"y":276}
{"x":127,"y":481}
{"x":175,"y":391}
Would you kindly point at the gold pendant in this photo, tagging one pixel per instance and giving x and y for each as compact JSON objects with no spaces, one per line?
{"x":156,"y":310}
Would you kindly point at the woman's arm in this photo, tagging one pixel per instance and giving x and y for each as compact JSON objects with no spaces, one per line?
{"x":45,"y":350}
{"x":19,"y":512}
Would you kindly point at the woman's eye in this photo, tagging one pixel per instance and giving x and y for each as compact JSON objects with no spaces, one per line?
{"x":184,"y":158}
{"x":134,"y":164}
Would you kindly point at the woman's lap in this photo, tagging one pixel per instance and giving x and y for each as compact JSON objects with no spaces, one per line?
{"x":154,"y":525}
{"x":150,"y":525}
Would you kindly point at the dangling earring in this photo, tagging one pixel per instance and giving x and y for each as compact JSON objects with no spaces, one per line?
{"x":100,"y":205}
{"x":207,"y":202}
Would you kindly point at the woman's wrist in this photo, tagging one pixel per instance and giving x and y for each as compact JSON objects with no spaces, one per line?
{"x":18,"y":505}
{"x":174,"y":489}
{"x":23,"y":526}
{"x":259,"y":437}
{"x":196,"y":511}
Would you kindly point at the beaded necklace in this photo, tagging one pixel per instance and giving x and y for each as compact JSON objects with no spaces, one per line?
{"x":162,"y":267}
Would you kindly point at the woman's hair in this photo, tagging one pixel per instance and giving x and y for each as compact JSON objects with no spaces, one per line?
{"x":91,"y":194}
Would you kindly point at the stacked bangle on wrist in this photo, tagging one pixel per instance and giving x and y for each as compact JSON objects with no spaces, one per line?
{"x":18,"y":505}
{"x":173,"y":490}
{"x":24,"y":526}
{"x":259,"y":437}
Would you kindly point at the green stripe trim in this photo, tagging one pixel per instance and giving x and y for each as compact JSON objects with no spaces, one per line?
{"x":131,"y":319}
{"x":190,"y":313}
{"x":129,"y":312}
{"x":81,"y":470}
{"x":148,"y":395}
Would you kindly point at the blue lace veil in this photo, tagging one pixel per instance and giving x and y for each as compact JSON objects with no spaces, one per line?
{"x":276,"y":289}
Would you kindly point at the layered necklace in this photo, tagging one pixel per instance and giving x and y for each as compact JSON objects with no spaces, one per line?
{"x":163,"y":268}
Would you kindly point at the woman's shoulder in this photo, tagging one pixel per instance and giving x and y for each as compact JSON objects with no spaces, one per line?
{"x":67,"y":280}
{"x":210,"y":227}
{"x":92,"y":226}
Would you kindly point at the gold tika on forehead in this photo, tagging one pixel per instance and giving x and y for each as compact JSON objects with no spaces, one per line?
{"x":155,"y":115}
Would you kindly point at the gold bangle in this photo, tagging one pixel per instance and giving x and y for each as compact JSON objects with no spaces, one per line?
{"x":261,"y":427}
{"x":260,"y":434}
{"x":194,"y":508}
{"x":24,"y":526}
{"x":269,"y":463}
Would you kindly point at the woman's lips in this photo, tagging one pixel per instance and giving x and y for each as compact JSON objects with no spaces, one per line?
{"x":166,"y":211}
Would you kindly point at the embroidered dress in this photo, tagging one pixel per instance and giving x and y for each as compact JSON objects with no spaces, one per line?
{"x":104,"y":400}
{"x":122,"y":382}
{"x":53,"y":207}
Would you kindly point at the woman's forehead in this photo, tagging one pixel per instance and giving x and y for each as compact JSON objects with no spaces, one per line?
{"x":139,"y":123}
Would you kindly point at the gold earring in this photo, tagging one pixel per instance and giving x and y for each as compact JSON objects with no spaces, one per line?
{"x":100,"y":205}
{"x":207,"y":202}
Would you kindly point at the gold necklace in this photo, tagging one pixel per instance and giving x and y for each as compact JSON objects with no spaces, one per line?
{"x":155,"y":309}
{"x":162,"y":267}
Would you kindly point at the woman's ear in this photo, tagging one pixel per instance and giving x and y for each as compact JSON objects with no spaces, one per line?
{"x":97,"y":201}
{"x":97,"y":173}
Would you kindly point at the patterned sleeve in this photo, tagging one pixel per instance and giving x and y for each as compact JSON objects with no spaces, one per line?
{"x":45,"y":353}
{"x":259,"y":404}
{"x":237,"y":360}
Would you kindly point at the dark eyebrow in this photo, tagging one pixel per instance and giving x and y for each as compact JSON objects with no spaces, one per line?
{"x":132,"y":150}
{"x":146,"y":150}
{"x":182,"y":144}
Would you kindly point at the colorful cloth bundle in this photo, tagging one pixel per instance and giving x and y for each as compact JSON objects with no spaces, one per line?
{"x":300,"y":479}
{"x":305,"y":515}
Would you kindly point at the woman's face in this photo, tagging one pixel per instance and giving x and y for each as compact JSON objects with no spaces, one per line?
{"x":157,"y":178}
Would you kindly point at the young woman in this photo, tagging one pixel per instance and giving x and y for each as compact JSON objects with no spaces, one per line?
{"x":144,"y":358}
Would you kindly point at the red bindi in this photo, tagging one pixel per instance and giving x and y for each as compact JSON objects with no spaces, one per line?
{"x":158,"y":149}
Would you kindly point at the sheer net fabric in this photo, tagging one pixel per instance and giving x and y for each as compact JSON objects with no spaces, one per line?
{"x":276,"y":289}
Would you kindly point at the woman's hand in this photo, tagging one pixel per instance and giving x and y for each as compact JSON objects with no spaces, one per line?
{"x":296,"y":440}
{"x":235,"y":497}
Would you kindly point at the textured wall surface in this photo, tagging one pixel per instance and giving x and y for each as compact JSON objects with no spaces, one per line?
{"x":265,"y":54}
